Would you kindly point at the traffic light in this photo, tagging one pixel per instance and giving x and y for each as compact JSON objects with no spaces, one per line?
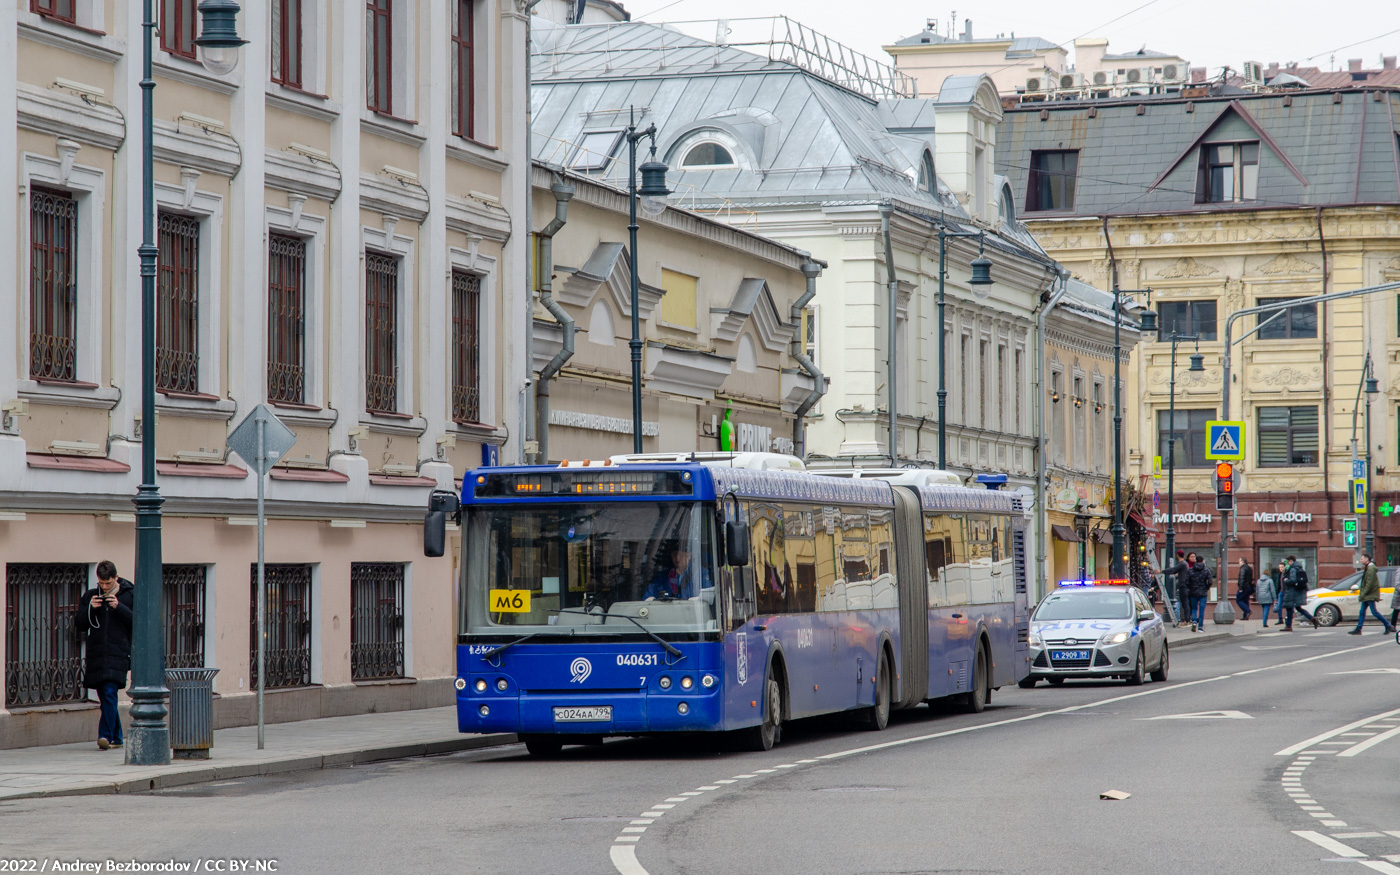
{"x":1349,"y":532}
{"x":1224,"y":486}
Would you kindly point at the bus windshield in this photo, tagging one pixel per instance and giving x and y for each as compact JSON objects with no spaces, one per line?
{"x":589,"y":569}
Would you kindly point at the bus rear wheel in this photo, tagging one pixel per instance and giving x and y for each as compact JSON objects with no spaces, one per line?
{"x":542,"y":746}
{"x":877,"y":716}
{"x":770,"y":731}
{"x":975,"y":700}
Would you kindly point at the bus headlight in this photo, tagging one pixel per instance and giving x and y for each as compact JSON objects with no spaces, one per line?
{"x":664,"y":683}
{"x":481,"y":685}
{"x":484,"y":710}
{"x":682,"y":708}
{"x":501,"y":684}
{"x":460,"y":684}
{"x":707,"y":681}
{"x":687,"y":683}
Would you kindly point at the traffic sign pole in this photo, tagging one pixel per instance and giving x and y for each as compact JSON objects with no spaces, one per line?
{"x":1225,"y":443}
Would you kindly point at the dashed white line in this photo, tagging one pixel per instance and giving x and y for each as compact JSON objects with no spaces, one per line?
{"x":675,"y":799}
{"x":645,"y":821}
{"x":692,"y":793}
{"x":634,"y":829}
{"x":624,"y":859}
{"x":628,"y":839}
{"x":726,"y":781}
{"x":663,"y":807}
{"x":707,"y":787}
{"x":1369,"y":743}
{"x":652,"y":813}
{"x":1358,"y":835}
{"x":1332,"y":733}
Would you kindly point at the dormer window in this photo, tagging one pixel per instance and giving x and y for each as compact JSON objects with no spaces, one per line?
{"x":928,"y":180}
{"x":1229,"y":172}
{"x":707,"y":154}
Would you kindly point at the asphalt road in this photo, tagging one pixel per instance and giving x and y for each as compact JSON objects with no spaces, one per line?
{"x":1289,"y":766}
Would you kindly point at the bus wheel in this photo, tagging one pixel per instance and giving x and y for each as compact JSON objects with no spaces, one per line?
{"x":877,"y":716}
{"x":770,"y":731}
{"x":543,"y":746}
{"x":976,"y":698}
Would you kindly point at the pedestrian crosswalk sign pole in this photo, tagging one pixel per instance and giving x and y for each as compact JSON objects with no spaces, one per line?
{"x":1225,"y":440}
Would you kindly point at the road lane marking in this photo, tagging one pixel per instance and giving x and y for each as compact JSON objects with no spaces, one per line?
{"x":1369,"y":743}
{"x":1328,"y":844}
{"x":726,"y":781}
{"x":707,"y":787}
{"x":634,"y":829}
{"x":647,"y":821}
{"x":628,"y":839}
{"x":663,"y":807}
{"x":1393,"y":832}
{"x":692,"y":793}
{"x":1379,"y":866}
{"x":624,"y":859}
{"x":746,"y":776}
{"x":1334,"y":823}
{"x":1358,"y":835}
{"x":1203,"y":715}
{"x":674,"y":799}
{"x":1332,"y":733}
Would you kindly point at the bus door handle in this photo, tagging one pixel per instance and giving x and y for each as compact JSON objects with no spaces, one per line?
{"x":760,"y":628}
{"x":957,"y":616}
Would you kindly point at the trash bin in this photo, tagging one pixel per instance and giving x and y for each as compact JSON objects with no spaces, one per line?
{"x":191,"y":711}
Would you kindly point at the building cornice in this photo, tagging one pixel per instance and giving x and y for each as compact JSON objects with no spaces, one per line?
{"x":50,"y":111}
{"x":394,"y":197}
{"x":290,"y":171}
{"x":476,"y":217}
{"x":181,"y":144}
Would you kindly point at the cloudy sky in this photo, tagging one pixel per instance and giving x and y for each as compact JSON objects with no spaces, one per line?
{"x":1207,"y":34}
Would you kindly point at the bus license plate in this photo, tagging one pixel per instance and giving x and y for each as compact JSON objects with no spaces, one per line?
{"x":595,"y":714}
{"x":1058,"y":655}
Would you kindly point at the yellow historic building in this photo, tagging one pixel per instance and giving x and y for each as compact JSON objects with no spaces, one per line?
{"x":1220,"y":203}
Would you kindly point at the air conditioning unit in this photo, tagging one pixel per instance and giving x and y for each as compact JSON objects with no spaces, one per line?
{"x":1035,"y":83}
{"x":1253,"y":71}
{"x":1071,"y":80}
{"x":1134,"y":75}
{"x":1171,"y":72}
{"x":1102,"y":78}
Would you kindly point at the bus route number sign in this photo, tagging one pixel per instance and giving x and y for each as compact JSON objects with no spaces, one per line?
{"x":510,"y":601}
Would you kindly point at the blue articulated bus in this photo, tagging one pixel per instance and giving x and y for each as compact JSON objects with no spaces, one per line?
{"x":727,"y":593}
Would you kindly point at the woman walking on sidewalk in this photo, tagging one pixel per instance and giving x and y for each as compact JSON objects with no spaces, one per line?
{"x":1265,"y":595}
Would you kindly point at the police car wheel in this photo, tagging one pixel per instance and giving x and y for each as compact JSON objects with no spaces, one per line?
{"x":1160,"y":674}
{"x":1328,"y":615}
{"x":1135,"y":679}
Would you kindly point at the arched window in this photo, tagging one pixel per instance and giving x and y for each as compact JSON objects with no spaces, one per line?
{"x":707,"y":154}
{"x":928,"y":181}
{"x":600,"y":325}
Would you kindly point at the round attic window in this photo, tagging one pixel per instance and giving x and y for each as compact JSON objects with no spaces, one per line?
{"x":707,"y":155}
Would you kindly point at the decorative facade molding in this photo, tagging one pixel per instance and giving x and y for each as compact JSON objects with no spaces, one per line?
{"x":753,"y":302}
{"x":692,"y":373}
{"x":476,"y":217}
{"x":1286,"y":262}
{"x":393,"y":197}
{"x":50,"y":111}
{"x":201,"y":148}
{"x":302,"y":174}
{"x":579,"y":285}
{"x":1186,"y":267}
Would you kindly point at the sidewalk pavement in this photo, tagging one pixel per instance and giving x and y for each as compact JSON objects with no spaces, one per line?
{"x":81,"y":769}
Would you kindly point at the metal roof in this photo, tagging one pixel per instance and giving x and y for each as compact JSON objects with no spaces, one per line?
{"x":1024,"y":44}
{"x":1317,"y":148}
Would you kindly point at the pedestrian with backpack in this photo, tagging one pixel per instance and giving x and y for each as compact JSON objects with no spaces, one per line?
{"x":1369,"y":593}
{"x":1295,"y":593}
{"x":1198,"y":581}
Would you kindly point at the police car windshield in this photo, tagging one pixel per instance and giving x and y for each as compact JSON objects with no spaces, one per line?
{"x":1086,"y":604}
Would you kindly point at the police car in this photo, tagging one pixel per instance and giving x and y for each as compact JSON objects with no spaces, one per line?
{"x":1333,"y":604}
{"x":1096,"y":629}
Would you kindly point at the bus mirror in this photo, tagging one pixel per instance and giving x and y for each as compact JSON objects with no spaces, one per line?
{"x":736,"y":543}
{"x":435,"y":533}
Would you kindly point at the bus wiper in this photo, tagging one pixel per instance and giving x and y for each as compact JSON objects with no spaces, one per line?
{"x":670,"y":648}
{"x":495,"y":651}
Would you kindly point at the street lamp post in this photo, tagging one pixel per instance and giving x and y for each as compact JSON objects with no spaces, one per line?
{"x":1118,"y":566}
{"x":980,"y":279}
{"x":148,"y":743}
{"x":653,"y":194}
{"x":1372,"y":388}
{"x":1197,"y":366}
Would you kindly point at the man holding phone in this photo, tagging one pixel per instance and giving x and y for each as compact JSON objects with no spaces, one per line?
{"x":104,"y":618}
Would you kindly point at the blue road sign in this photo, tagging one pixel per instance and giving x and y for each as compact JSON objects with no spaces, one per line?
{"x":1225,"y":440}
{"x":1358,"y":469}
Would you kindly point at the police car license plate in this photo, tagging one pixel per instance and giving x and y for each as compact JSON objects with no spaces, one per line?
{"x":1058,"y":655}
{"x":595,"y":714}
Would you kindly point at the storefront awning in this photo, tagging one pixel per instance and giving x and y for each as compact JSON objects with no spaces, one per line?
{"x":1065,"y":533}
{"x":1103,"y":536}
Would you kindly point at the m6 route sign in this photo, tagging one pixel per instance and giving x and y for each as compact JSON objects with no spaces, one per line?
{"x":510,"y":601}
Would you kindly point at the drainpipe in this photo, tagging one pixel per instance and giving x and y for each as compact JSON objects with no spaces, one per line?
{"x":892,"y":359}
{"x":562,"y":193}
{"x":810,"y":269}
{"x":1042,"y":513}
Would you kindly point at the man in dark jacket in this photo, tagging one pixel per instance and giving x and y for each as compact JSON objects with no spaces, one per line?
{"x":1295,"y":593}
{"x":1369,"y":593}
{"x":1244,"y":587}
{"x":104,"y":617}
{"x":1198,"y":581}
{"x":1176,"y":574}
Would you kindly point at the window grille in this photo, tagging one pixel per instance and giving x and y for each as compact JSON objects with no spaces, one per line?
{"x":466,"y":347}
{"x":177,"y":304}
{"x":184,"y":615}
{"x":179,"y":25}
{"x":286,"y":319}
{"x":379,"y":60}
{"x":376,"y":620}
{"x":53,"y":285}
{"x":286,"y":42}
{"x":59,"y":10}
{"x":381,"y":332}
{"x":43,"y":653}
{"x":1288,"y":437}
{"x":464,"y":70}
{"x":288,"y":626}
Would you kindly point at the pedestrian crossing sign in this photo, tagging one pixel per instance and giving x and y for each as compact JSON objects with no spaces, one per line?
{"x":1225,"y":439}
{"x":1359,"y":495}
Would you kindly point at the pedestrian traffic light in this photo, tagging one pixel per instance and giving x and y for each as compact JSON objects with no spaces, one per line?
{"x":1224,"y":486}
{"x":1349,"y":532}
